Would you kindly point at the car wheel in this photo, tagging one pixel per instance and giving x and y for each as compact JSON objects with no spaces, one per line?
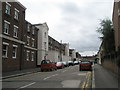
{"x":42,"y":70}
{"x":79,"y":69}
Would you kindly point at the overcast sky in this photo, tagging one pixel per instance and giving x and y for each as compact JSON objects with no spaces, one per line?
{"x":72,"y":21}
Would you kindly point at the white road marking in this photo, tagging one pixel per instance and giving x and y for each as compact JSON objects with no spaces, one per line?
{"x":55,"y":75}
{"x":50,"y":76}
{"x":46,"y":78}
{"x":26,"y":85}
{"x":81,"y":74}
{"x":71,"y":83}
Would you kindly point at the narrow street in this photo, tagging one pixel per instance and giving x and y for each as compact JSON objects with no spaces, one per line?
{"x":62,"y":44}
{"x":69,"y":77}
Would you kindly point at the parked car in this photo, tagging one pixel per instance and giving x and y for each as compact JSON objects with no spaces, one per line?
{"x":79,"y":61}
{"x":92,"y":61}
{"x":48,"y":65}
{"x":76,"y":62}
{"x":70,"y":63}
{"x":59,"y":65}
{"x":85,"y":65}
{"x":65,"y":63}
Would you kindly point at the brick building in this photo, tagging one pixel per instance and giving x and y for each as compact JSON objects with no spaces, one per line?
{"x":30,"y":47}
{"x":13,"y":16}
{"x":116,"y":23}
{"x":14,"y":42}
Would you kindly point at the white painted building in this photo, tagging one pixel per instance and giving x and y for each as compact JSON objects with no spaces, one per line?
{"x":42,"y":42}
{"x":66,"y":49}
{"x":66,"y":57}
{"x":73,"y":54}
{"x":57,"y":56}
{"x":54,"y":55}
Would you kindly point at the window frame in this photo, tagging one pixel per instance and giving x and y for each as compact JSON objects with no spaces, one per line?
{"x":14,"y":57}
{"x":32,"y":56}
{"x":6,"y":28}
{"x":33,"y":42}
{"x":28,"y":40}
{"x":28,"y":27}
{"x":8,"y":8}
{"x":45,"y":34}
{"x":15,"y":28}
{"x":33,"y":30}
{"x":16,"y":14}
{"x":6,"y":44}
{"x":27,"y":55}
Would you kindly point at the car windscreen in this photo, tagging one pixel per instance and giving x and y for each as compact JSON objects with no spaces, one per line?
{"x":45,"y":61}
{"x":64,"y":62}
{"x":59,"y":62}
{"x":86,"y":62}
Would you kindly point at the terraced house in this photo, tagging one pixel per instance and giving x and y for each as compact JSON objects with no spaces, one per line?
{"x":13,"y":17}
{"x":15,"y":51}
{"x":24,"y":45}
{"x":30,"y":46}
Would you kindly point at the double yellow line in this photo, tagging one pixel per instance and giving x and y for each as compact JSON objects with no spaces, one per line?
{"x":86,"y":83}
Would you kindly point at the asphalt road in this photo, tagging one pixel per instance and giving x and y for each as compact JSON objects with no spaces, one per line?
{"x":69,"y":77}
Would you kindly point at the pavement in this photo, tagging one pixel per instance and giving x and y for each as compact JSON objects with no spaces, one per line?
{"x":19,"y":73}
{"x":103,"y":78}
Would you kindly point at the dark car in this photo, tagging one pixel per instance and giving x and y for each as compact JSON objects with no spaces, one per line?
{"x":48,"y":65}
{"x":59,"y":65}
{"x":70,"y":63}
{"x":76,"y":62}
{"x":85,"y":65}
{"x":65,"y":63}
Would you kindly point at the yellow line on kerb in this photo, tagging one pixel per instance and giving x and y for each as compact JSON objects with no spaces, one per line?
{"x":87,"y":79}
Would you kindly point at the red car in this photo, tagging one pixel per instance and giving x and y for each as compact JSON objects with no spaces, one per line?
{"x":48,"y":65}
{"x":60,"y":65}
{"x":85,"y":65}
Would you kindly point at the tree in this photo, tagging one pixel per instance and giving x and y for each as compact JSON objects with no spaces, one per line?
{"x":107,"y":32}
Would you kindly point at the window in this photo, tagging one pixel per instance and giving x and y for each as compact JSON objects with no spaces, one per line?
{"x":7,"y":10}
{"x":16,"y":15}
{"x":32,"y":55}
{"x":14,"y":53}
{"x":5,"y":49}
{"x":28,"y":40}
{"x":28,"y":27}
{"x":45,"y":45}
{"x":33,"y":30}
{"x":15,"y":31}
{"x":45,"y":34}
{"x":28,"y":55}
{"x":33,"y":42}
{"x":6,"y":27}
